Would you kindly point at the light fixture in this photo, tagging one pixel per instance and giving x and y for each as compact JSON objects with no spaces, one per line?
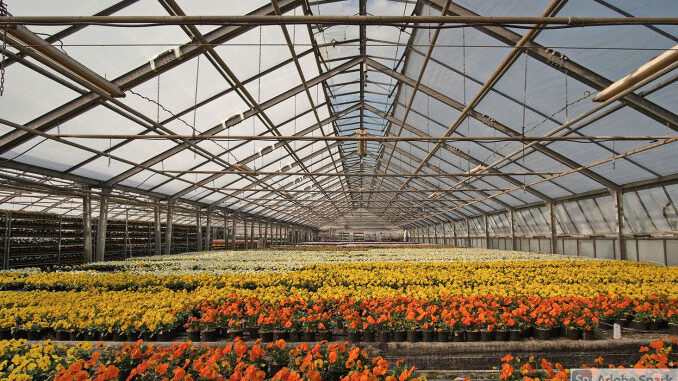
{"x":32,"y":45}
{"x":477,"y":169}
{"x":362,"y":144}
{"x":652,"y":66}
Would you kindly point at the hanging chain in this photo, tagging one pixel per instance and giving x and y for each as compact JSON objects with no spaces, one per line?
{"x":468,"y":125}
{"x":524,"y":107}
{"x":157,"y":112}
{"x":254,"y":145}
{"x":3,"y":12}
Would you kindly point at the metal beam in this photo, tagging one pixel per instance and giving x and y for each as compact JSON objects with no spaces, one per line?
{"x":490,"y":122}
{"x":164,"y":62}
{"x":563,"y":64}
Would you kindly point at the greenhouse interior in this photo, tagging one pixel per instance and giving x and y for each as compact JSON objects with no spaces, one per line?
{"x":339,"y":190}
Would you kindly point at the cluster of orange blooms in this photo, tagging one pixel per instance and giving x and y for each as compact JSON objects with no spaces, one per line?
{"x":236,"y":362}
{"x":450,"y":313}
{"x":660,"y":354}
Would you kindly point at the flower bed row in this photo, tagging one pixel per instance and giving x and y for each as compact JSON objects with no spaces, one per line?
{"x":236,"y":361}
{"x":660,"y":354}
{"x":379,"y":280}
{"x":450,"y":318}
{"x":457,"y":318}
{"x":285,"y":260}
{"x":239,"y":362}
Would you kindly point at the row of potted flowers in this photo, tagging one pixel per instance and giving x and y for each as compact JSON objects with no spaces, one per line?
{"x":378,"y":280}
{"x":235,"y":361}
{"x":161,"y":315}
{"x":660,"y":354}
{"x":238,"y":361}
{"x":457,"y":318}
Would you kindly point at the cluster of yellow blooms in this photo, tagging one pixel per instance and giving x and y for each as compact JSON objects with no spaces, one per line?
{"x":23,"y":362}
{"x":130,"y":302}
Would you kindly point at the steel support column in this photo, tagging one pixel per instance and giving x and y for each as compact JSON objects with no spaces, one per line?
{"x":101,"y":225}
{"x":554,"y":228}
{"x":87,"y":228}
{"x":233,"y":232}
{"x":244,"y":226}
{"x":487,"y":231}
{"x":513,"y":229}
{"x":156,"y":230}
{"x":618,"y":199}
{"x":208,"y":231}
{"x":168,"y":228}
{"x":198,"y":230}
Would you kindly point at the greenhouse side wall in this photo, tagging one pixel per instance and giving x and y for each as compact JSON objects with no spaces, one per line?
{"x":584,"y":226}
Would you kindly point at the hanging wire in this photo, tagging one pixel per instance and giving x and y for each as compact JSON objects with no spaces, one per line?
{"x":195,"y":101}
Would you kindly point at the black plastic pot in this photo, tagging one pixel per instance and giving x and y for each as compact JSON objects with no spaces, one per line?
{"x":457,"y":337}
{"x":589,"y":334}
{"x":383,"y":336}
{"x":400,"y":336}
{"x":501,"y":335}
{"x":639,"y":325}
{"x":486,"y":335}
{"x":232,"y":334}
{"x":654,"y":325}
{"x":442,"y":336}
{"x":673,"y":328}
{"x":515,"y":335}
{"x":335,"y":376}
{"x":296,"y":336}
{"x":413,"y":336}
{"x":326,"y":335}
{"x":573,"y":333}
{"x":280,"y":335}
{"x":165,"y":336}
{"x":5,"y":334}
{"x":354,"y":337}
{"x":541,"y":333}
{"x":254,"y":332}
{"x":63,"y":335}
{"x":193,"y":335}
{"x":427,"y":336}
{"x":472,"y":335}
{"x":133,"y":336}
{"x":273,"y":369}
{"x":266,"y":336}
{"x":149,"y":336}
{"x":209,"y":335}
{"x":34,"y":335}
{"x":527,"y":332}
{"x":106,"y":336}
{"x":309,"y":336}
{"x":119,"y":336}
{"x":19,"y":334}
{"x":557,"y":331}
{"x":622,"y":322}
{"x":368,"y":336}
{"x":339,"y":323}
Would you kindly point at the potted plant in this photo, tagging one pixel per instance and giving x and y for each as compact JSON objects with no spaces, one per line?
{"x":279,"y":357}
{"x":62,"y":329}
{"x":542,"y":328}
{"x":193,"y":328}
